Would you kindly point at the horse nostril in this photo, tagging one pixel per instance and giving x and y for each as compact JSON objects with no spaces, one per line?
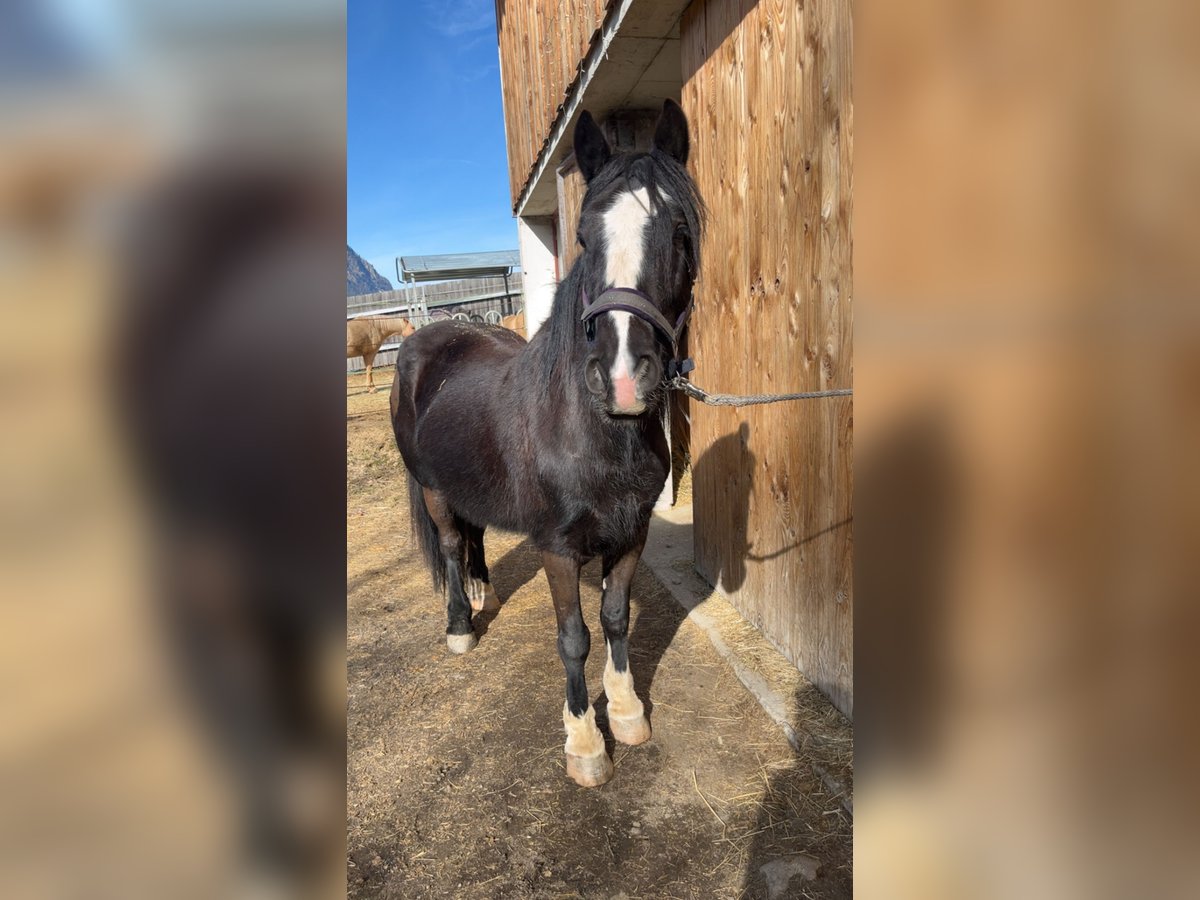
{"x":645,"y":367}
{"x":593,"y":377}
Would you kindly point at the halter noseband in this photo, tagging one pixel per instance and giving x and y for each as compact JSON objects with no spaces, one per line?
{"x":635,"y":302}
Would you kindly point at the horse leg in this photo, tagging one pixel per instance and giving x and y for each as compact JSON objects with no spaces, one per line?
{"x":587,"y":760}
{"x":369,"y":359}
{"x":459,"y":636}
{"x":479,"y":588}
{"x":626,"y":715}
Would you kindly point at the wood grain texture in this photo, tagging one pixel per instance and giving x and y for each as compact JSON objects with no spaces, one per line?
{"x":541,"y":45}
{"x":571,"y":189}
{"x":625,"y":130}
{"x":767,"y":88}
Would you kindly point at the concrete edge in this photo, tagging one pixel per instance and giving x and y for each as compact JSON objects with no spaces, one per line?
{"x":669,"y":544}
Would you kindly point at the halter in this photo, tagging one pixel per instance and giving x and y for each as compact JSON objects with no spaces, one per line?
{"x":635,"y":302}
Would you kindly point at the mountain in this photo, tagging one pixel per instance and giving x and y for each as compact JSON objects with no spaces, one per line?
{"x":361,"y":276}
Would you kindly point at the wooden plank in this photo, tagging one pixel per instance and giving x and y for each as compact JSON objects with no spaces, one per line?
{"x":568,"y":26}
{"x":536,"y":82}
{"x":630,"y":129}
{"x":549,"y":88}
{"x":693,"y":99}
{"x":571,"y":189}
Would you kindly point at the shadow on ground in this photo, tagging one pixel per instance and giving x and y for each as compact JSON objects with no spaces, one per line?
{"x":455,"y":782}
{"x":654,"y":625}
{"x":785,"y":857}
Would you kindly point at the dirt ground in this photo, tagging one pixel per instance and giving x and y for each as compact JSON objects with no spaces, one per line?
{"x":456,"y":785}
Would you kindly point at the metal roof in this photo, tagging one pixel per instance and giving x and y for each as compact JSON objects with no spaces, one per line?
{"x":445,"y":266}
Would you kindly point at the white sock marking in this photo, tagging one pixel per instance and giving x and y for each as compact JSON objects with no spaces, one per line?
{"x":623,"y":703}
{"x":583,"y":737}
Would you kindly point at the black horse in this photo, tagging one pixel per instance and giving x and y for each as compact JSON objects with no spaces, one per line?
{"x":561,"y":438}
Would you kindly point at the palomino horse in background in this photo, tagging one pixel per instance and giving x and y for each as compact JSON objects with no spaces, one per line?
{"x":366,"y":335}
{"x":515,"y":322}
{"x":561,"y":438}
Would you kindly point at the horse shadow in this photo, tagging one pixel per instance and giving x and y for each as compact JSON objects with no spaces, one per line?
{"x":726,"y":470}
{"x":656,"y":615}
{"x":661,"y":613}
{"x":513,"y":571}
{"x":907,"y":513}
{"x":908,"y":484}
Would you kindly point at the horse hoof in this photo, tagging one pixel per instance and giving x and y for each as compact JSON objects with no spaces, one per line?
{"x":461,"y":643}
{"x":631,"y":731}
{"x":589,"y":771}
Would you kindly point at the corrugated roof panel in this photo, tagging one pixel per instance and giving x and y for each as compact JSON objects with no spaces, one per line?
{"x":444,"y":266}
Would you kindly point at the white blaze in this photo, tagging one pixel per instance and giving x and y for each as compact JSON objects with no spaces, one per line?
{"x":622,"y":366}
{"x":625,"y":236}
{"x":624,"y":242}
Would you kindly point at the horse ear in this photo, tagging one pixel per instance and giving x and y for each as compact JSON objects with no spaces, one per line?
{"x":591,"y":149}
{"x":671,"y":133}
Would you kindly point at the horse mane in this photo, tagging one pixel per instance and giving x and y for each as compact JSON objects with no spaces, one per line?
{"x":654,"y":170}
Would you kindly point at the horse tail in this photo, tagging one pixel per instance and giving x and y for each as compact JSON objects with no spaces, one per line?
{"x":426,"y":533}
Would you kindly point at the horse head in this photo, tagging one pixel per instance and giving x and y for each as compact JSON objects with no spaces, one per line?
{"x":639,"y":232}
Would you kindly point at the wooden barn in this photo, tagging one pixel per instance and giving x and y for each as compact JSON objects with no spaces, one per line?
{"x":766,"y":88}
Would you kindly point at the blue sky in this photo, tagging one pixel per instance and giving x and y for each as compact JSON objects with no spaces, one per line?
{"x":426,"y":168}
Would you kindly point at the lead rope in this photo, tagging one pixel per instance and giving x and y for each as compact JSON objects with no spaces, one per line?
{"x":635,"y":302}
{"x":679,"y":383}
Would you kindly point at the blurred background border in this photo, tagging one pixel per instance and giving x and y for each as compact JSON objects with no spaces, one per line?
{"x":172,"y":464}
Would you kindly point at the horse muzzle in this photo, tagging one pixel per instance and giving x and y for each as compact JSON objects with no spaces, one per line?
{"x":624,"y":393}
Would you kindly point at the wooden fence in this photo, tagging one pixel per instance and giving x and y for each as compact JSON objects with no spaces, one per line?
{"x":434,"y":294}
{"x":472,"y":296}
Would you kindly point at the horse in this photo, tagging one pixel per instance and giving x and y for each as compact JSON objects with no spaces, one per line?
{"x":515,"y":322}
{"x":364,"y":337}
{"x":561,"y":437}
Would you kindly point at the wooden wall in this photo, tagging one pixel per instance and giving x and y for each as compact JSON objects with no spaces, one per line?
{"x":625,"y":129}
{"x":542,"y":44}
{"x":570,"y":200}
{"x":767,"y":90}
